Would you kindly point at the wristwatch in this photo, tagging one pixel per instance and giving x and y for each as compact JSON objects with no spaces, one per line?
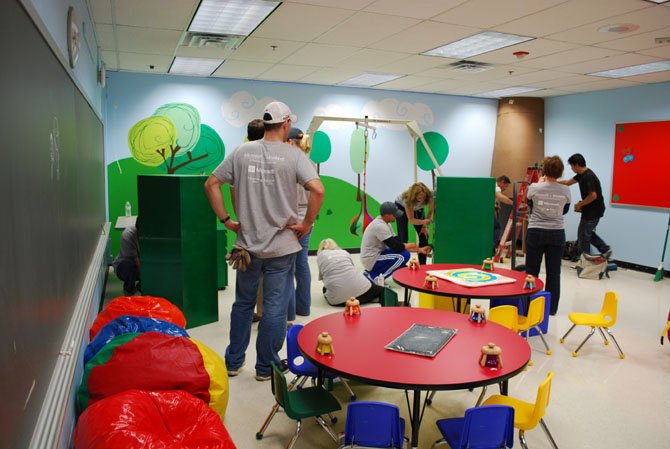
{"x":225,"y":219}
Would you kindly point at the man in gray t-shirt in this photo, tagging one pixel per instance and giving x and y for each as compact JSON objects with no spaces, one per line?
{"x":383,"y":252}
{"x":265,"y":174}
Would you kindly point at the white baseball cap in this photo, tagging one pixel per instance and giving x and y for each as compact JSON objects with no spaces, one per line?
{"x":277,"y":112}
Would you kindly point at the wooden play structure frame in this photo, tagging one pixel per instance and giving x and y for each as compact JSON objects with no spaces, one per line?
{"x":412,"y":128}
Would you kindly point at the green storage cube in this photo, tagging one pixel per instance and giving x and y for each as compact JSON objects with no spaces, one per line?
{"x":464,"y":214}
{"x":178,"y":244}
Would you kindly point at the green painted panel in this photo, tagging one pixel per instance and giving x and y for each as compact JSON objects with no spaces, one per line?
{"x":464,"y":214}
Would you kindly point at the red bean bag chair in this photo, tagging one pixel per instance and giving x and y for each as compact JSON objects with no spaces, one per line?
{"x":139,"y":419}
{"x":155,"y":361}
{"x":147,"y":306}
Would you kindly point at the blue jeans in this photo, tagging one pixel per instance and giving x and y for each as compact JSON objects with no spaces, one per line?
{"x":277,"y":273}
{"x":402,"y":224}
{"x":586,"y":236}
{"x":301,"y":297}
{"x":550,"y":244}
{"x":387,"y":262}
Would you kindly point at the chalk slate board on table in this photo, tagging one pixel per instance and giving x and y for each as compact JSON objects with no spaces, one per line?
{"x":641,"y":158}
{"x":422,"y":340}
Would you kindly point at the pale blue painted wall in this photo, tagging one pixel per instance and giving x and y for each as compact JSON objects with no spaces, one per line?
{"x":50,"y":16}
{"x":584,"y":124}
{"x":467,"y":123}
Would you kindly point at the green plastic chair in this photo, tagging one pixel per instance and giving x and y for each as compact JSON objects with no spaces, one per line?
{"x":299,"y":404}
{"x":389,"y":298}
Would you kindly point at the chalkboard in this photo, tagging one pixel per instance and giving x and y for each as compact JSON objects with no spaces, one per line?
{"x":52,"y":186}
{"x":641,"y":161}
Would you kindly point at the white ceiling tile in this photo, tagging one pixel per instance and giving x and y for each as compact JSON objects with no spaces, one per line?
{"x":662,"y":52}
{"x":415,"y":64}
{"x":260,"y":49}
{"x":140,"y":62}
{"x":368,"y":59}
{"x":364,"y":28}
{"x":204,"y":52}
{"x":532,"y":77}
{"x":320,"y":54}
{"x":297,"y":22}
{"x":241,"y":69}
{"x":145,"y":40}
{"x":565,"y":81}
{"x":442,"y":85}
{"x":423,"y":10}
{"x":105,"y":35}
{"x":330,"y":75}
{"x":355,"y":5}
{"x":568,"y":15}
{"x":423,"y":36}
{"x":161,"y":14}
{"x":573,"y":56}
{"x":472,"y":88}
{"x":101,"y":10}
{"x":286,"y":72}
{"x":487,"y":75}
{"x":407,"y":82}
{"x":638,"y":42}
{"x":648,"y":19}
{"x":658,"y":77}
{"x":489,"y":13}
{"x":545,"y":93}
{"x":613,"y":62}
{"x":599,"y":85}
{"x":109,"y":58}
{"x":536,"y":49}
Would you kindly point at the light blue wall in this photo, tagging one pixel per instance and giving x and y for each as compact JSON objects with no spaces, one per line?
{"x":227,"y":105}
{"x":50,"y":17}
{"x":584,"y":124}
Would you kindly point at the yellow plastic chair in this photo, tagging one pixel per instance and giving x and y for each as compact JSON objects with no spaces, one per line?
{"x":527,"y":415}
{"x":603,"y":320}
{"x":507,"y":316}
{"x":533,"y":320}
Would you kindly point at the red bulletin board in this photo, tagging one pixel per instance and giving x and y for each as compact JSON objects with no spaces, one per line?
{"x":641,"y":174}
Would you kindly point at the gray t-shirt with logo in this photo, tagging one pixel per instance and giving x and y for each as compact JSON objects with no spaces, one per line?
{"x":340,"y":277}
{"x":549,"y":199}
{"x":265,"y":175}
{"x":373,"y":241}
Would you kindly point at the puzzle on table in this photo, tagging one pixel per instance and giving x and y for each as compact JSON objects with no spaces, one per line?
{"x":471,"y":277}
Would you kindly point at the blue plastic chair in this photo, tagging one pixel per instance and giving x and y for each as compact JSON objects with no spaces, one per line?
{"x":302,"y":368}
{"x":487,"y":427}
{"x":374,"y":424}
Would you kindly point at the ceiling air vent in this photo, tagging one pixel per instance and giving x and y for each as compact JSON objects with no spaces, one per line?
{"x":469,"y":66}
{"x":202,"y":40}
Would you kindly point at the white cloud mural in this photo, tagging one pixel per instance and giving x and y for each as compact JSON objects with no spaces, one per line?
{"x":243,"y":107}
{"x":390,"y":108}
{"x":334,"y":110}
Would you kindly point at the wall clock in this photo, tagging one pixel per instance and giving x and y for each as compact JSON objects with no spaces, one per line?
{"x":73,"y":37}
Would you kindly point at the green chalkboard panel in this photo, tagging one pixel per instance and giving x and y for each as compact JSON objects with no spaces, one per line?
{"x":464,"y":214}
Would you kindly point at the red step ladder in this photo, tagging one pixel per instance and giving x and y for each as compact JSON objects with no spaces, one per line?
{"x":519,"y":211}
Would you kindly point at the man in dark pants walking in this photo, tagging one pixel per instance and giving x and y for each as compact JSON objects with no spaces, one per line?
{"x":592,"y":207}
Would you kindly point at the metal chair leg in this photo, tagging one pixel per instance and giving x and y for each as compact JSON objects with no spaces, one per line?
{"x":439,"y":442}
{"x":431,"y":395}
{"x":621,"y":354}
{"x":566,"y":334}
{"x":481,"y":396}
{"x":273,"y":412}
{"x":327,"y":428}
{"x":574,"y":354}
{"x":602,"y":334}
{"x":522,"y":439}
{"x":346,"y":385}
{"x":295,"y":436}
{"x":548,"y":434}
{"x":539,"y":332}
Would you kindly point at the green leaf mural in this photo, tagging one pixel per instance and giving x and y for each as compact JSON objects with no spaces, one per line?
{"x":186,"y":120}
{"x":438,"y":145}
{"x":357,"y":150}
{"x":210,"y":145}
{"x":149,"y":138}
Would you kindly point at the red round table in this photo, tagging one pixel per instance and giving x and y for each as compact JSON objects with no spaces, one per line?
{"x":415,"y":280}
{"x":359,"y":353}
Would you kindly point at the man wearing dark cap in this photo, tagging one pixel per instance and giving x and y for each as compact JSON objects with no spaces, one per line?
{"x":265,"y":173}
{"x":383,"y":252}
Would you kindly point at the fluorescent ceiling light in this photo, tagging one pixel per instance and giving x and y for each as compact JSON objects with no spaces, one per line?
{"x":239,"y":17}
{"x":633,"y":70}
{"x":508,"y":92}
{"x":194,"y":66}
{"x":370,"y":79}
{"x":476,"y":45}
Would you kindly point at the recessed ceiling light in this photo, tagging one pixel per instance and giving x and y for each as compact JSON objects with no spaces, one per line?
{"x":194,"y":66}
{"x":507,"y":92}
{"x":477,"y":44}
{"x":239,"y":17}
{"x":370,"y":79}
{"x":633,"y":70}
{"x":619,"y":28}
